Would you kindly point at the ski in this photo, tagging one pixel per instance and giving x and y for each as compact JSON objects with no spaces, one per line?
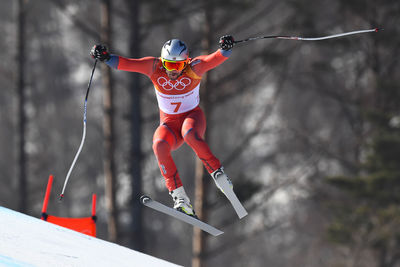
{"x":224,"y":185}
{"x":147,"y":201}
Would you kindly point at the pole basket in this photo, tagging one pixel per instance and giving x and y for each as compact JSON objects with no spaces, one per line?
{"x":85,"y":225}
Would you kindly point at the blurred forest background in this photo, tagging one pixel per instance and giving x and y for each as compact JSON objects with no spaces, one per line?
{"x":309,"y":132}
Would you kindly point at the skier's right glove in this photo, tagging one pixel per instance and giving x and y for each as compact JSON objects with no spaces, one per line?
{"x":100,"y":52}
{"x":226,"y":42}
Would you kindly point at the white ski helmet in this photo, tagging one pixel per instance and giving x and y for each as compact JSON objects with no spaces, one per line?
{"x":174,"y":50}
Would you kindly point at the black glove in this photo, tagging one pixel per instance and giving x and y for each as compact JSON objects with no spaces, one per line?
{"x":100,"y":52}
{"x":226,"y":42}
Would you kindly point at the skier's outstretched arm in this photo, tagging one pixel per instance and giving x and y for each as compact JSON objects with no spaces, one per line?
{"x":204,"y":63}
{"x":143,"y":65}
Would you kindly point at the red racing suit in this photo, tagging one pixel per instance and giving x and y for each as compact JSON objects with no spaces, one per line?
{"x":181,"y":118}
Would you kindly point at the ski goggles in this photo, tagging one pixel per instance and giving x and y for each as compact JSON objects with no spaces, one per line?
{"x":171,"y":65}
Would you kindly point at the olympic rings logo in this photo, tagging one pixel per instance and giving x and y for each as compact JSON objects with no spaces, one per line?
{"x":178,"y":85}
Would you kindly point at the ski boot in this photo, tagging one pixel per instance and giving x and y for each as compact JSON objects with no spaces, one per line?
{"x":182,"y":202}
{"x":219,"y":172}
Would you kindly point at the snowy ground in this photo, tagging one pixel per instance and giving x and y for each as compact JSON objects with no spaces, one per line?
{"x":26,"y":242}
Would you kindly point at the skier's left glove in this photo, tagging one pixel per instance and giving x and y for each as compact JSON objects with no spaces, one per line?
{"x":100,"y":52}
{"x":226,"y":42}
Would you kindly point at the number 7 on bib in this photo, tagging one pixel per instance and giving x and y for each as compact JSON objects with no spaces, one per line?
{"x":177,"y":105}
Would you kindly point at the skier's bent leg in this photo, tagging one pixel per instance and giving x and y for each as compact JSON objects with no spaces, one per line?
{"x":193,"y":131}
{"x":162,"y":151}
{"x":211,"y":163}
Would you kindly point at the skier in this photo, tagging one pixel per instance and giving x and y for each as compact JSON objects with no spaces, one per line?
{"x":176,"y":79}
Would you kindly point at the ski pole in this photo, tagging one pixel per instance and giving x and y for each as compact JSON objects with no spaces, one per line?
{"x":306,"y":38}
{"x":83,"y":135}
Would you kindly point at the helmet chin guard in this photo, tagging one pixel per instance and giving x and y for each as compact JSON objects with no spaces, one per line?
{"x":174,"y":50}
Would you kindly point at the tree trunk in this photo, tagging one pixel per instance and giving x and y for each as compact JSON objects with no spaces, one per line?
{"x":108,"y":129}
{"x":201,"y":176}
{"x":137,"y":240}
{"x":22,"y":177}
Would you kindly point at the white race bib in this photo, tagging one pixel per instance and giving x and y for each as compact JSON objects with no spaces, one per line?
{"x":181,"y":103}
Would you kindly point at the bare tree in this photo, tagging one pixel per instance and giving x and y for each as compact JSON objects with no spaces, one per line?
{"x":108,"y":128}
{"x":137,"y":240}
{"x":201,"y":181}
{"x":22,"y":175}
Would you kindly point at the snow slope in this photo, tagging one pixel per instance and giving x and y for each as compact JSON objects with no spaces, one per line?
{"x":27,"y":242}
